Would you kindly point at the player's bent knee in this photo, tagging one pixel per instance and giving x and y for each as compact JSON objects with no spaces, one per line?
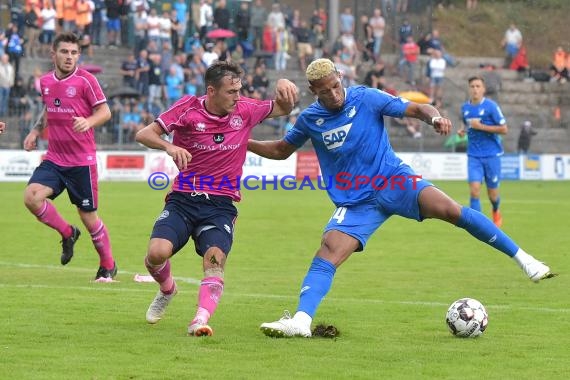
{"x":33,"y":199}
{"x":159,"y":250}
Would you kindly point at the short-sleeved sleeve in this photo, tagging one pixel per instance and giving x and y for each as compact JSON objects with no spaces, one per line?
{"x":383,"y":103}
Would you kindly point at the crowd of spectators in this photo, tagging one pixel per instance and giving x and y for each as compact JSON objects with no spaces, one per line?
{"x":172,"y":47}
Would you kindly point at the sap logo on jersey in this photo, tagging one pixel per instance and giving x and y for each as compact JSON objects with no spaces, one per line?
{"x":335,"y":137}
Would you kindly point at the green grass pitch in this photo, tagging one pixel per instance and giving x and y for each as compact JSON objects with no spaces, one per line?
{"x":389,"y":302}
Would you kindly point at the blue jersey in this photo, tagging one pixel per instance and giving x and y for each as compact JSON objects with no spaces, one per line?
{"x":352,"y":141}
{"x":483,"y":144}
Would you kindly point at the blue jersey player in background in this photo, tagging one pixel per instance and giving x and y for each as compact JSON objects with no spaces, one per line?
{"x":368,"y":183}
{"x":485,"y":124}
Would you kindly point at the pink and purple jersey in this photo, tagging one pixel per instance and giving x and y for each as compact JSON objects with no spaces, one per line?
{"x":74,"y":95}
{"x":218,"y":144}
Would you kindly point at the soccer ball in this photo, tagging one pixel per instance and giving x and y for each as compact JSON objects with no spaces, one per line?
{"x":467,"y":318}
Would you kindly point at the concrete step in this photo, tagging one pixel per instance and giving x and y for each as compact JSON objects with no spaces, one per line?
{"x":461,"y":73}
{"x":522,"y":98}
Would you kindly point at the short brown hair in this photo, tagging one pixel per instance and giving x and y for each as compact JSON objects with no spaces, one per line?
{"x":72,"y":38}
{"x":475,"y":77}
{"x":220,"y":69}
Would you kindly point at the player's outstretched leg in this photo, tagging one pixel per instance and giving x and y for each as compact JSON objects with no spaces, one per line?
{"x":286,"y":327}
{"x":534,"y":269}
{"x":485,"y":230}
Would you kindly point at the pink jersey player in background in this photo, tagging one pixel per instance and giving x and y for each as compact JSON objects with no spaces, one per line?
{"x":74,"y":104}
{"x":209,"y":147}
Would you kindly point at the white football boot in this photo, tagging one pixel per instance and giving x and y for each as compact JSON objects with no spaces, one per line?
{"x":158,"y":306}
{"x":286,"y":327}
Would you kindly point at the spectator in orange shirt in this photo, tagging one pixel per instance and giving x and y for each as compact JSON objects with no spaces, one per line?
{"x":59,"y":15}
{"x":84,"y":16}
{"x":69,"y":15}
{"x":558,"y":68}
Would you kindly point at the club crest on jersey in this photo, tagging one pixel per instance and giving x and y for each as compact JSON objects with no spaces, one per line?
{"x":201,"y":127}
{"x":219,"y":138}
{"x":57,"y":102}
{"x":351,"y":112}
{"x":335,"y":137}
{"x":70,"y":92}
{"x":236,"y":123}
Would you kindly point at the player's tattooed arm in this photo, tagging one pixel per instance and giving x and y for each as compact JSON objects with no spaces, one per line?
{"x":41,"y":123}
{"x":30,"y":140}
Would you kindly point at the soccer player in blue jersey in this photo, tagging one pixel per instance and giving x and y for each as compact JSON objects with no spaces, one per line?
{"x":369,"y":183}
{"x":485,"y":124}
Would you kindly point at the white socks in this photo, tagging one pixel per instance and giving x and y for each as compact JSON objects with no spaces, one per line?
{"x":303,"y":318}
{"x":522,"y":258}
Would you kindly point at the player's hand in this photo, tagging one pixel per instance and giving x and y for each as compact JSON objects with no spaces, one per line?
{"x":30,"y":141}
{"x":286,"y":92}
{"x":442,"y":125}
{"x":2,"y":127}
{"x":461,"y":132}
{"x":80,"y":124}
{"x":180,"y":156}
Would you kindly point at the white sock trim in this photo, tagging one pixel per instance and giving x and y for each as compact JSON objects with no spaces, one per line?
{"x":521,"y":257}
{"x":303,"y":318}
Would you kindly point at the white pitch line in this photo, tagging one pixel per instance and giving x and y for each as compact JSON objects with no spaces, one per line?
{"x":105,"y":288}
{"x":194,"y":281}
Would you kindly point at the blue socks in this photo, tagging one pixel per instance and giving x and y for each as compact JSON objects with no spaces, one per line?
{"x":316,"y":285}
{"x":496,"y":204}
{"x":475,"y":204}
{"x":483,"y":229}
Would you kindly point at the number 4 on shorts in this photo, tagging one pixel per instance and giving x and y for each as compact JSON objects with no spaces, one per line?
{"x":339,"y":215}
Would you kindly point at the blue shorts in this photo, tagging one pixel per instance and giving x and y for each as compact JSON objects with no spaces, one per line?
{"x":114,"y":24}
{"x":80,"y":182}
{"x":436,"y":81}
{"x":360,"y":221}
{"x":210,"y":222}
{"x":484,"y":167}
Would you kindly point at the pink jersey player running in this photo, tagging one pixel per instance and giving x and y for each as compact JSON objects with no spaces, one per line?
{"x":74,"y":104}
{"x":209,"y":147}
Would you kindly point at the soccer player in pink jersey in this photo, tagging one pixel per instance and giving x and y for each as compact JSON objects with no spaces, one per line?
{"x":209,"y":147}
{"x":74,"y":104}
{"x":2,"y":127}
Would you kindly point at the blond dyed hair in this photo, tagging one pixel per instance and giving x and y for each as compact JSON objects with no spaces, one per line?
{"x":320,"y":68}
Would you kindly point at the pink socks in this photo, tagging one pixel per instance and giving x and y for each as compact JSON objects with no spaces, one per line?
{"x":48,"y":215}
{"x":102,"y":243}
